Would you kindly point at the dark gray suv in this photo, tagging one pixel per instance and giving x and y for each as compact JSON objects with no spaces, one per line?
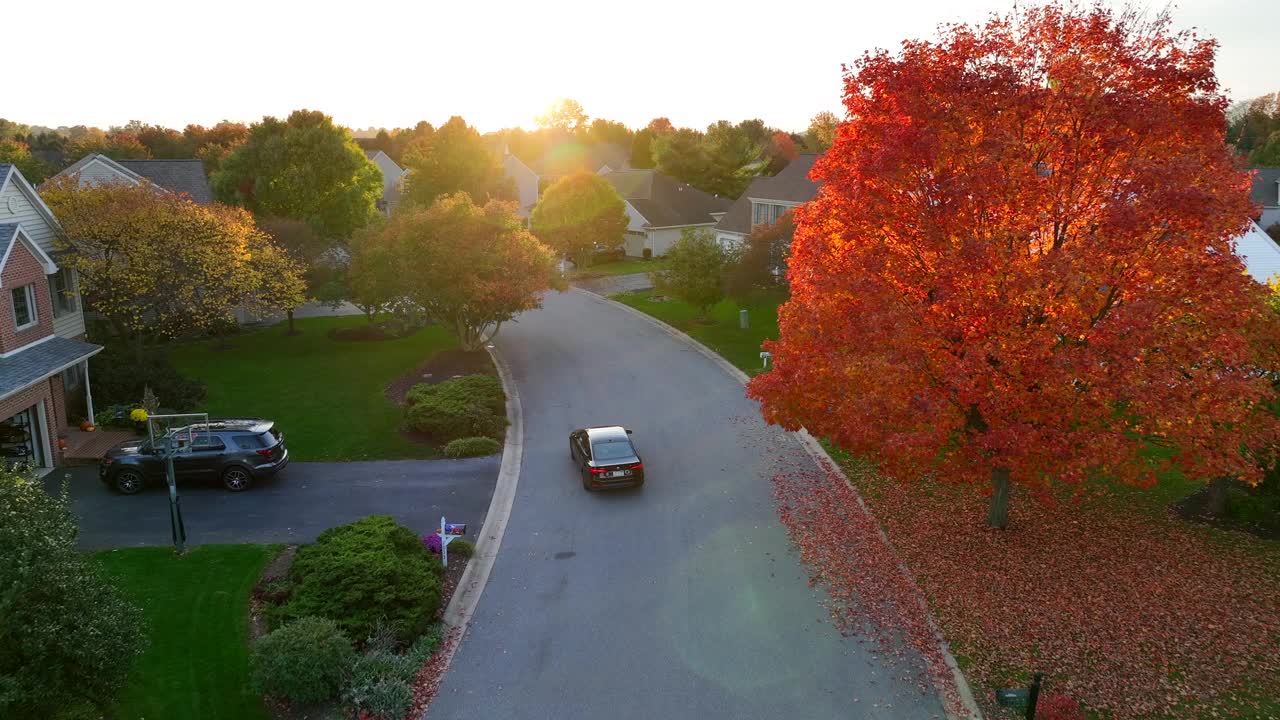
{"x":233,"y":451}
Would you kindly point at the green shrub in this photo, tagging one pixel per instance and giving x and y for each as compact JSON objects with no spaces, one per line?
{"x":485,"y":390}
{"x":68,"y":636}
{"x":365,"y":572}
{"x":119,"y":377}
{"x":423,"y":647}
{"x":385,"y":699}
{"x":463,"y":407}
{"x":303,"y":662}
{"x":462,"y":548}
{"x":471,"y":447}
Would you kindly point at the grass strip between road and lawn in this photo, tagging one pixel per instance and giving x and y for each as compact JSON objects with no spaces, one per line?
{"x":618,"y":267}
{"x":1110,"y":563}
{"x":326,"y":395}
{"x":719,"y":329}
{"x":196,"y":665}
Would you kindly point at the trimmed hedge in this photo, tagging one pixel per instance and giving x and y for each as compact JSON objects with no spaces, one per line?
{"x":364,"y":572}
{"x":472,"y":447}
{"x":305,"y":661}
{"x":463,"y":407}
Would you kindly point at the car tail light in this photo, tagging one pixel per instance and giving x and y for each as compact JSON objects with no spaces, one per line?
{"x":265,"y":452}
{"x":638,"y":466}
{"x":597,"y":471}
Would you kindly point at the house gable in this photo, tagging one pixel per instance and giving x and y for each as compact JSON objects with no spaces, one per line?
{"x":96,"y":168}
{"x":13,"y":237}
{"x":19,"y":203}
{"x":23,"y":267}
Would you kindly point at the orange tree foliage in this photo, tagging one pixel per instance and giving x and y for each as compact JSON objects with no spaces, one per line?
{"x":1021,"y":260}
{"x":154,"y":263}
{"x":469,"y":267}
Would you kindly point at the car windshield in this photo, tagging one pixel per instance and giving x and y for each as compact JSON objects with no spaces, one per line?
{"x":612,"y":450}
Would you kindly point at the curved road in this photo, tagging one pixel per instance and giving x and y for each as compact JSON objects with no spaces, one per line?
{"x":681,"y":600}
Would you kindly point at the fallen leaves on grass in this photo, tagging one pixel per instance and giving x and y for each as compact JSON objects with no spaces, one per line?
{"x":1129,"y":614}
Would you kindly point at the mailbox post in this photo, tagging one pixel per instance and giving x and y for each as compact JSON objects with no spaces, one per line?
{"x":765,"y":356}
{"x":448,"y":533}
{"x":1025,"y":698}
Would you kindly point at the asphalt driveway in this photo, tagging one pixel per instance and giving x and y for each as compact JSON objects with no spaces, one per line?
{"x":680,"y":600}
{"x":304,"y":500}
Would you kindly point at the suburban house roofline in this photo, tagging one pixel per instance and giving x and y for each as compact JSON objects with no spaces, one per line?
{"x":29,"y":345}
{"x":92,"y":158}
{"x":30,"y":192}
{"x":48,"y":375}
{"x":669,"y":227}
{"x":786,"y":203}
{"x":19,"y":235}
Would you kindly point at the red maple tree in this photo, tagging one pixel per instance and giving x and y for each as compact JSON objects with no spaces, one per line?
{"x":1020,"y":265}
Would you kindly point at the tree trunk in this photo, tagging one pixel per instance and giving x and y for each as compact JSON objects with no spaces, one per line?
{"x":998,"y":513}
{"x":1216,"y":502}
{"x":289,"y":312}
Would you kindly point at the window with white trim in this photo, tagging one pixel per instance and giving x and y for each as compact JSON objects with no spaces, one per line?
{"x":24,"y":307}
{"x":62,"y":290}
{"x":767,"y":213}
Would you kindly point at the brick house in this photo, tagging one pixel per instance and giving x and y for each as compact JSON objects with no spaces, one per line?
{"x":44,"y":367}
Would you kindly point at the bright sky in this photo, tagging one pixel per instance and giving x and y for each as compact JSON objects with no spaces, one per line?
{"x":390,"y":63}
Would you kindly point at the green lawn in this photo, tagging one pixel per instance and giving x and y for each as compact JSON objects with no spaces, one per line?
{"x":197,"y":663}
{"x":620,"y":267}
{"x":325,"y":395}
{"x":721,"y":332}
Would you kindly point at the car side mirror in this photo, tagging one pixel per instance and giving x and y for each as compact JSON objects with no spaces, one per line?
{"x":628,"y":432}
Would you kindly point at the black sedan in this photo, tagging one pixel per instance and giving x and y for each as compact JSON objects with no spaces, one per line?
{"x":232,"y":451}
{"x":606,"y":458}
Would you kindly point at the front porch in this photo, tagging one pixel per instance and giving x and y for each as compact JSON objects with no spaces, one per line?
{"x":89,"y":447}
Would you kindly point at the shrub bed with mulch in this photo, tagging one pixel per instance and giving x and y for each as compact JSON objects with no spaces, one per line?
{"x":385,"y":676}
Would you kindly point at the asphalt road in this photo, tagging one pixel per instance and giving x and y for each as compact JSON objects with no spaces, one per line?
{"x":680,"y":600}
{"x":304,"y":500}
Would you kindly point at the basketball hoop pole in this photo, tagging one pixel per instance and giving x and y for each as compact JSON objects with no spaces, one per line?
{"x":166,"y":433}
{"x":177,"y":529}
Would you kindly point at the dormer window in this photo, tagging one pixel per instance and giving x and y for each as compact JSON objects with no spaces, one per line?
{"x":24,"y":307}
{"x":766,"y":213}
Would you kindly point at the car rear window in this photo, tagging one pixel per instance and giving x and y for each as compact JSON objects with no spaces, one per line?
{"x":613,"y":450}
{"x":256,"y":441}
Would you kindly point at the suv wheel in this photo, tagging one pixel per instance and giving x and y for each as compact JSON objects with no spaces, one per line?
{"x":128,"y":482}
{"x":236,"y":479}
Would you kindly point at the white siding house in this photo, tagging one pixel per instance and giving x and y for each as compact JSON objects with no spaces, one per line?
{"x":1260,"y":253}
{"x":20,"y":204}
{"x":392,"y":177}
{"x":659,"y":208}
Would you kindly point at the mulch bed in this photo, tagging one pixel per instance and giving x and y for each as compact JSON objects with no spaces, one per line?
{"x":367,"y":333}
{"x":442,"y":366}
{"x":425,"y":685}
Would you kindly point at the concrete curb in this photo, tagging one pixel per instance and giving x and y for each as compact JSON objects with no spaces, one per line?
{"x":825,"y":461}
{"x":467,"y":595}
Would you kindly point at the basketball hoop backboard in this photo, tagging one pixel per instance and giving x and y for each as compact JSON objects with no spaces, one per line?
{"x":177,"y":432}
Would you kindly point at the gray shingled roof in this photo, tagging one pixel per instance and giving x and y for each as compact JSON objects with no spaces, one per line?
{"x":181,"y":176}
{"x":790,"y":185}
{"x":665,"y":201}
{"x":4,"y":170}
{"x":8,"y":232}
{"x":37,"y":363}
{"x":1265,"y":190}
